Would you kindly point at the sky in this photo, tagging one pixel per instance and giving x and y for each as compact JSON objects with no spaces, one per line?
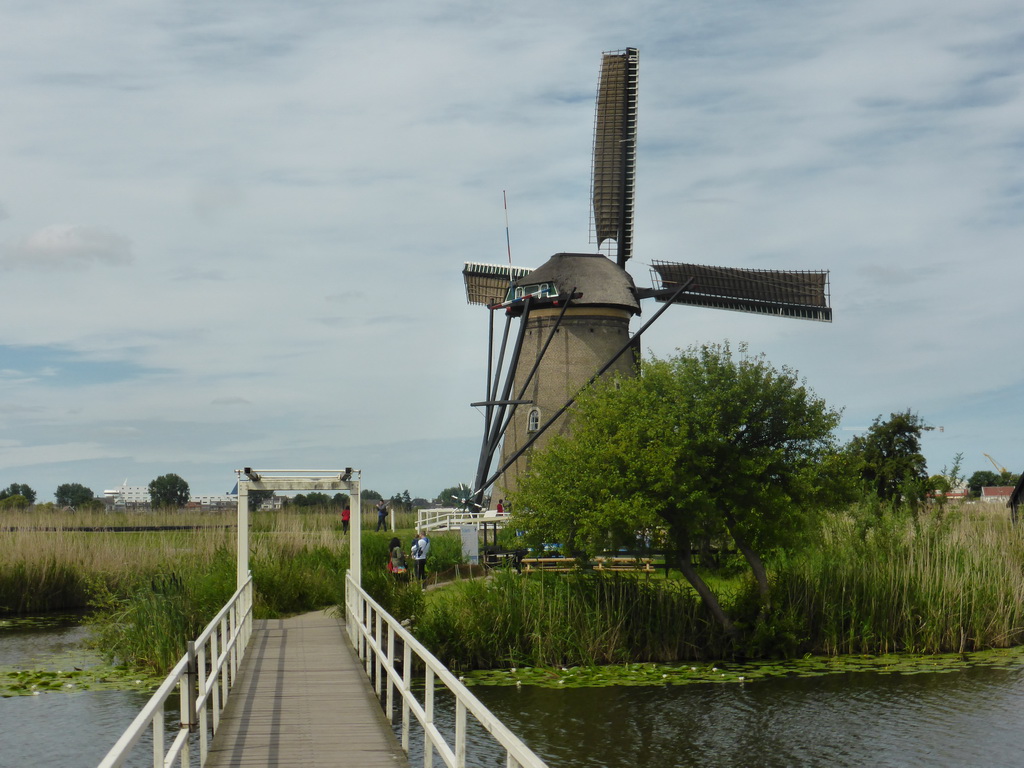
{"x":232,"y":234}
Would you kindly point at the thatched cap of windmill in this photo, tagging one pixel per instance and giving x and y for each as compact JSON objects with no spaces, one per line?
{"x":592,"y":279}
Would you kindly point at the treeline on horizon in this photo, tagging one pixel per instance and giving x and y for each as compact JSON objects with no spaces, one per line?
{"x":171,"y":491}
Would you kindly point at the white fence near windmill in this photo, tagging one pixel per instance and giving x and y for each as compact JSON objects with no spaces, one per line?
{"x":454,"y":519}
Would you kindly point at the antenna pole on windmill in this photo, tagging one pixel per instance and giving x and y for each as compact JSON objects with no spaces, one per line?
{"x":508,"y":241}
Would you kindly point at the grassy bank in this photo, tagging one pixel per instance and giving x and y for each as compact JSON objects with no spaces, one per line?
{"x":879,"y":583}
{"x":869,"y":581}
{"x":151,"y":591}
{"x":567,"y":619}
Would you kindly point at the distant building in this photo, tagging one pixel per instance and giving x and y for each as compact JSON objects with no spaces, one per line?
{"x":127,"y":496}
{"x":1000,"y":493}
{"x":137,"y":497}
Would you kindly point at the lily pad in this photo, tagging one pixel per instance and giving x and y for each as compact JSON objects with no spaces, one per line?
{"x":747,"y":672}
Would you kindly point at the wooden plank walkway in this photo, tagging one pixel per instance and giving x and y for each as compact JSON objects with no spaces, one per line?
{"x":303,"y":699}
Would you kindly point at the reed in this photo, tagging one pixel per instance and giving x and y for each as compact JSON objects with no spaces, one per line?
{"x":567,"y":620}
{"x":901,"y":582}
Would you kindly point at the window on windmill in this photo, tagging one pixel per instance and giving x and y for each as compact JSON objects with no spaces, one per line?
{"x":537,"y":290}
{"x":533,"y":421}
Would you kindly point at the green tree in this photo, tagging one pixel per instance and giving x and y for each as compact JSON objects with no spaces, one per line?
{"x":16,"y":501}
{"x":982,"y":479}
{"x":985,"y":478}
{"x":73,"y":495}
{"x":401,"y":502}
{"x":369,"y":495}
{"x":704,"y":444}
{"x":168,"y":491}
{"x":313,"y":499}
{"x":19,"y":489}
{"x":258,"y":497}
{"x":890,"y":457}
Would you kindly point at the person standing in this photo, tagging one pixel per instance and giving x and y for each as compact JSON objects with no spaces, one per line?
{"x":396,"y":557}
{"x":346,"y":516}
{"x":501,"y":507}
{"x":382,"y":514}
{"x":420,"y":549}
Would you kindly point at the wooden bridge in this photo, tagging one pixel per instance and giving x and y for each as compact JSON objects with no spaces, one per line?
{"x":302,"y":699}
{"x":297,"y":692}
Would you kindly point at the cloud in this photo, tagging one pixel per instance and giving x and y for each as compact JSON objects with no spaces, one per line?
{"x":230,"y":401}
{"x":62,"y":246}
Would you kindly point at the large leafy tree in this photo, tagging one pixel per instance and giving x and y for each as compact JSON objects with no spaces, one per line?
{"x":703,"y":444}
{"x":19,"y":489}
{"x":985,"y":478}
{"x":168,"y":491}
{"x":257,"y":497}
{"x":890,"y":457}
{"x":73,"y":495}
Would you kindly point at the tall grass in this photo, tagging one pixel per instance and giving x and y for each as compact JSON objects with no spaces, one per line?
{"x":901,"y":582}
{"x":567,"y":619}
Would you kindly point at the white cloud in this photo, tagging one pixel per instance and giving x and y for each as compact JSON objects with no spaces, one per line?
{"x":67,"y":247}
{"x":296,"y":187}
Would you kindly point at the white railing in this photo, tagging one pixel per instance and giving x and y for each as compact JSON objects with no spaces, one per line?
{"x":451,"y":519}
{"x":202,"y":691}
{"x":375,"y":635}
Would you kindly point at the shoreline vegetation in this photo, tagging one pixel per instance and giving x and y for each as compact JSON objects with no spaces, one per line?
{"x":870,"y":581}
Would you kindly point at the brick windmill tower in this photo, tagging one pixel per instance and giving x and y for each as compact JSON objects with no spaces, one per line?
{"x":574,"y":311}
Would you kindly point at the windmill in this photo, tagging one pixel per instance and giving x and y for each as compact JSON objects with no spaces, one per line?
{"x":575,"y":309}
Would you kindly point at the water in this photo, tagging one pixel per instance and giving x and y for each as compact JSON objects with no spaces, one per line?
{"x":965,"y":718}
{"x":70,"y":730}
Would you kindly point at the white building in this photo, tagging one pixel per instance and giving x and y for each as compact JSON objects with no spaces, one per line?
{"x":137,"y":496}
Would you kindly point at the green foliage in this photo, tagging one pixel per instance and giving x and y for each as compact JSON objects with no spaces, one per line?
{"x":17,"y":501}
{"x":368,"y":495}
{"x":258,"y":497}
{"x":150,"y":628}
{"x":19,"y":489}
{"x":691,"y":439}
{"x":304,"y":581}
{"x":882,"y":579}
{"x":401,"y":502}
{"x":982,"y":479}
{"x":39,"y":587}
{"x":168,"y":491}
{"x":312,"y":499}
{"x":73,"y":494}
{"x":566,"y":620}
{"x":706,"y":443}
{"x":445,"y":551}
{"x":890,"y":457}
{"x":987,"y":478}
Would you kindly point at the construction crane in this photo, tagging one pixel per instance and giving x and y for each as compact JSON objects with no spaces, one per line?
{"x":999,"y":469}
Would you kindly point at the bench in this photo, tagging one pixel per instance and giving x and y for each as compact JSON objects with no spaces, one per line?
{"x":553,"y":564}
{"x":640,"y":565}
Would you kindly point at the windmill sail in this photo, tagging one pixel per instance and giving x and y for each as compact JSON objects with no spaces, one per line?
{"x":615,"y":151}
{"x":803,"y":294}
{"x":488,"y":284}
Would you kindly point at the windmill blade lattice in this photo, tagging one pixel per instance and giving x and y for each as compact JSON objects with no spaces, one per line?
{"x":614,"y":162}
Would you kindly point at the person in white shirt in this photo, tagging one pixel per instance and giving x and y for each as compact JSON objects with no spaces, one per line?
{"x":420,"y":549}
